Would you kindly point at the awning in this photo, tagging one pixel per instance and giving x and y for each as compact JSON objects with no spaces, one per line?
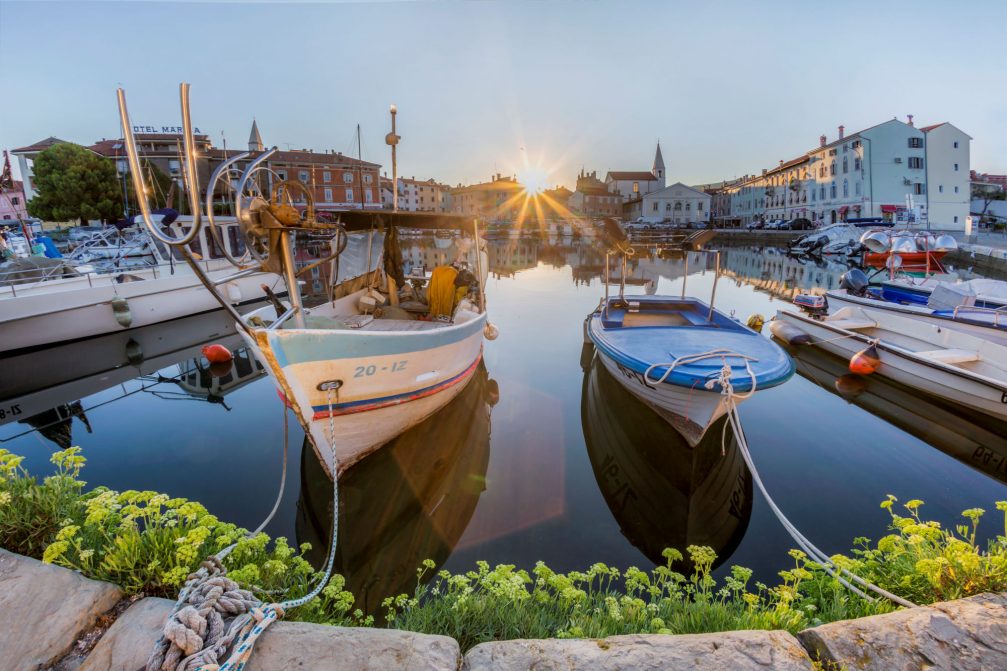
{"x":843,"y":209}
{"x":889,"y":208}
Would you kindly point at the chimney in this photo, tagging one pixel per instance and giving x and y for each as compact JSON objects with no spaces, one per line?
{"x":764,"y":171}
{"x":822,"y":141}
{"x":781,"y":162}
{"x":842,"y":133}
{"x":910,"y":122}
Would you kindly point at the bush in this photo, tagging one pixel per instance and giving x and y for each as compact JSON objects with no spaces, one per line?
{"x":148,"y":543}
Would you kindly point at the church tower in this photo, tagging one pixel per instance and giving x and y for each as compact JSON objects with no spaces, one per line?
{"x":255,"y":140}
{"x":658,"y":169}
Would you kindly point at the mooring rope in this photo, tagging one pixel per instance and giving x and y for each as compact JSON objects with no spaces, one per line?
{"x":817,"y":555}
{"x":196,"y":636}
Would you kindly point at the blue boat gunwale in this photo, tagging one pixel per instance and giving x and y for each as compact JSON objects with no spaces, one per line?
{"x":680,"y":376}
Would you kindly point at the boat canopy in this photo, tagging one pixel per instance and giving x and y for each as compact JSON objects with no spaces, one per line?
{"x":362,"y":220}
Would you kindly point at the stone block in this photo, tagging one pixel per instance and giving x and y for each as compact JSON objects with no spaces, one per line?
{"x":285,"y":645}
{"x":45,"y":610}
{"x":731,"y":650}
{"x":963,"y":635}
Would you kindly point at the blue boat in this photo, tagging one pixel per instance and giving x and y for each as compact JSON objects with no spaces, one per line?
{"x":670,"y":352}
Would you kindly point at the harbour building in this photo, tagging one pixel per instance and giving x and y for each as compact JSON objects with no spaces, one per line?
{"x":893,"y":170}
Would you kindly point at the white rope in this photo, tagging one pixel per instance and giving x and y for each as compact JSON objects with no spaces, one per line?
{"x":817,"y":555}
{"x":722,"y":354}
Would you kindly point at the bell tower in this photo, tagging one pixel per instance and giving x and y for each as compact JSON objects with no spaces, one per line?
{"x":254,"y":139}
{"x":658,"y":168}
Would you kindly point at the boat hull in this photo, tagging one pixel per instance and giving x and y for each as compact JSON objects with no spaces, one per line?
{"x":943,"y":381}
{"x":841,"y":299}
{"x":367,"y":387}
{"x":42,"y":317}
{"x":689,"y":411}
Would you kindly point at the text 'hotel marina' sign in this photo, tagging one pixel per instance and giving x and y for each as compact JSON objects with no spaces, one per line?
{"x":163,"y":130}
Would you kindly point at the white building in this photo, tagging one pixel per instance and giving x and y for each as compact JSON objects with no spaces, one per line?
{"x":632,"y":184}
{"x":892,"y":170}
{"x":417,"y":195}
{"x":678,"y":203}
{"x":948,"y":182}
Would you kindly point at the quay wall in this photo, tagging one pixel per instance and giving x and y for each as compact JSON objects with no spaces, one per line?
{"x":54,"y":618}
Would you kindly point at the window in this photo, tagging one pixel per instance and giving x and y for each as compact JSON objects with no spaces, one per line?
{"x":956,"y":189}
{"x":347,"y":178}
{"x":282,"y":174}
{"x":846,"y":165}
{"x":846,"y":148}
{"x":304,"y":176}
{"x":956,"y":147}
{"x":699,"y":207}
{"x":956,"y":218}
{"x":688,"y":206}
{"x":655,"y":206}
{"x":172,"y":167}
{"x":832,"y":168}
{"x":915,"y":142}
{"x":15,"y":200}
{"x":368,"y":179}
{"x":678,"y":205}
{"x":328,"y":195}
{"x":369,"y":195}
{"x":832,"y":191}
{"x":918,"y":188}
{"x":856,"y":143}
{"x":856,"y":188}
{"x":822,"y":193}
{"x":812,"y":195}
{"x":940,"y":189}
{"x":667,"y":206}
{"x":846,"y":189}
{"x":956,"y":167}
{"x":916,"y":162}
{"x":856,"y":164}
{"x":636,"y":187}
{"x":326,"y":176}
{"x":349,"y":195}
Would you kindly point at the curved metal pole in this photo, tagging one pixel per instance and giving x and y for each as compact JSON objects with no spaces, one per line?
{"x":191,"y":174}
{"x":139,"y":186}
{"x":259,"y":160}
{"x":211,"y":188}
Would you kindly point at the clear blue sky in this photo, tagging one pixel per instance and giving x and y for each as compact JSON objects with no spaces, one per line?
{"x":728,"y":87}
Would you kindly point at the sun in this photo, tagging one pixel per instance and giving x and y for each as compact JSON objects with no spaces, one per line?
{"x":534,"y":180}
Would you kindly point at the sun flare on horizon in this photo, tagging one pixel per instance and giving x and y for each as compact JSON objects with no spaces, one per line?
{"x":534,"y":180}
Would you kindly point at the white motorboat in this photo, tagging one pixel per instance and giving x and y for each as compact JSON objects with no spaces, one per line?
{"x":48,"y":311}
{"x":955,"y":366}
{"x":948,"y":307}
{"x":989,"y":293}
{"x":354,"y":375}
{"x":832,"y":239}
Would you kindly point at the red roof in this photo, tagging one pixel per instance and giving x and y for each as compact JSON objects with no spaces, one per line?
{"x":930,"y":128}
{"x":38,"y":146}
{"x":628,"y":175}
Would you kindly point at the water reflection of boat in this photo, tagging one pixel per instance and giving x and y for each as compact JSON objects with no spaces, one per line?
{"x":971,"y":438}
{"x":662,"y":492}
{"x":409,"y":501}
{"x":35,"y":382}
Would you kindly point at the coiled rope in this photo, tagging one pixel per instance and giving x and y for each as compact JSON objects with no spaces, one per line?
{"x":829,"y":566}
{"x":196,"y":636}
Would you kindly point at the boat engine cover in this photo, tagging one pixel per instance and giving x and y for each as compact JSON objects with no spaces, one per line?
{"x":854,"y":281}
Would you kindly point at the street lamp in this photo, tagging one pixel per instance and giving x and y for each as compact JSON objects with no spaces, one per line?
{"x":392,"y":140}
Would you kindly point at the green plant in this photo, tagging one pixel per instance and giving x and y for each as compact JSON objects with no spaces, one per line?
{"x":148,"y":542}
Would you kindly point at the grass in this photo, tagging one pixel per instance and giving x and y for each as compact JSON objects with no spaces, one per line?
{"x":147,"y":542}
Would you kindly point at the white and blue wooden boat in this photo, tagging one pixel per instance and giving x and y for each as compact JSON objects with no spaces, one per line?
{"x":670,"y":352}
{"x":354,"y":378}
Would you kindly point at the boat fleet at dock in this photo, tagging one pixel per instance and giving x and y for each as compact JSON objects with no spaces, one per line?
{"x":391,"y":342}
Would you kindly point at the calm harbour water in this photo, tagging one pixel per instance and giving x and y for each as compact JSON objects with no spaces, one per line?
{"x":539,"y":459}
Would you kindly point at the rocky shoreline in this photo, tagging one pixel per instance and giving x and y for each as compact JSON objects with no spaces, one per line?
{"x":57,"y":619}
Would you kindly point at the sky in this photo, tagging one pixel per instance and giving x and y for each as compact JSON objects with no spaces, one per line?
{"x":483,"y":87}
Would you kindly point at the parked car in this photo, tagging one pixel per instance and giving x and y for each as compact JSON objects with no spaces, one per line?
{"x":756,"y":225}
{"x":799,"y":224}
{"x":774,"y":224}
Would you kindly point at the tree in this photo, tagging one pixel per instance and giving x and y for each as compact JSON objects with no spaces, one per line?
{"x":987,"y":193}
{"x":75,"y":183}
